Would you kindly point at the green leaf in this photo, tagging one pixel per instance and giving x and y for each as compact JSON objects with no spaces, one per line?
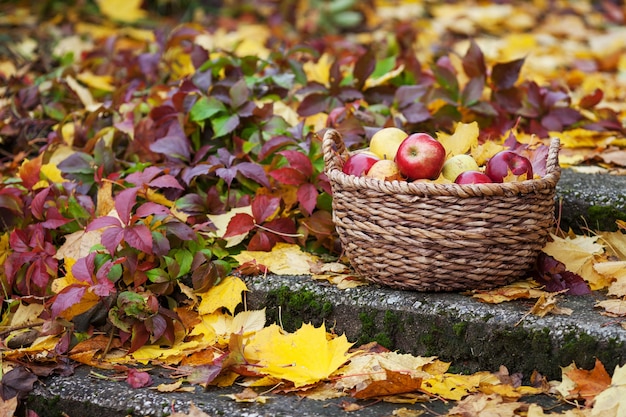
{"x":224,"y":124}
{"x":184,"y":259}
{"x":205,"y":108}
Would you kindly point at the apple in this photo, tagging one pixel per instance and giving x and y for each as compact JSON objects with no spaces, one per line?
{"x":384,"y":169}
{"x":385,"y":142}
{"x":420,"y":156}
{"x":509,"y":166}
{"x":359,"y":163}
{"x":472,"y":177}
{"x":458,"y":164}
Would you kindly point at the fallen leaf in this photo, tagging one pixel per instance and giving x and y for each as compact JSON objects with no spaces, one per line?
{"x":303,"y":357}
{"x":193,"y":412}
{"x":122,"y":10}
{"x":615,"y":308}
{"x":484,"y":405}
{"x":283,"y":259}
{"x":248,"y":395}
{"x":588,"y":384}
{"x":464,"y":138}
{"x":610,"y":402}
{"x":226,"y":294}
{"x":394,"y":383}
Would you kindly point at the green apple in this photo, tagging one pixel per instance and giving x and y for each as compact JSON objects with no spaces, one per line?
{"x":457,"y":164}
{"x":386,"y":141}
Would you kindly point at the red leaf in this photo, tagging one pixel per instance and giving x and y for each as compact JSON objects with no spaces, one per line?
{"x":138,"y":379}
{"x":264,"y":206}
{"x":124,"y":203}
{"x":271,"y":146}
{"x":240,"y":223}
{"x":307,"y":196}
{"x":139,"y":237}
{"x":299,"y":161}
{"x":139,"y":337}
{"x":37,"y":205}
{"x":262,"y":241}
{"x":504,"y":75}
{"x":288,"y":175}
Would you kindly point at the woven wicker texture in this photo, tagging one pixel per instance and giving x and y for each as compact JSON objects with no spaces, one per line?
{"x":440,"y":237}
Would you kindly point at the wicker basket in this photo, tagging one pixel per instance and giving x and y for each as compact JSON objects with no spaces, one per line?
{"x":440,"y":237}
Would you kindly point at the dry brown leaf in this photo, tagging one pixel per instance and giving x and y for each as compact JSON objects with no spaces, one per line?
{"x":193,"y":412}
{"x":248,"y":395}
{"x":484,"y":405}
{"x":614,"y":308}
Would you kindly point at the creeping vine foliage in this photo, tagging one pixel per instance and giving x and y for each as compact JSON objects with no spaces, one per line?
{"x":144,"y":135}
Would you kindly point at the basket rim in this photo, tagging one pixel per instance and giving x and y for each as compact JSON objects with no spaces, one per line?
{"x":333,"y":162}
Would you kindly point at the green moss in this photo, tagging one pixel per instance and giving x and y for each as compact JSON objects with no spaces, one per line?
{"x":459,"y":328}
{"x":603,"y":217}
{"x":42,"y":406}
{"x":382,"y":331}
{"x":293,"y":308}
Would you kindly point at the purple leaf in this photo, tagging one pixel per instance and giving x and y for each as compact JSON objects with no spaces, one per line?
{"x":67,"y":298}
{"x":139,"y":237}
{"x":143,"y":177}
{"x":166,"y":181}
{"x":504,"y":75}
{"x":254,"y":172}
{"x":124,"y":203}
{"x":273,"y":145}
{"x":149,"y":208}
{"x":180,"y":230}
{"x":313,"y":104}
{"x":84,"y":267}
{"x":17,"y":382}
{"x":102,"y":222}
{"x":474,"y":61}
{"x":173,"y":146}
{"x":111,"y":238}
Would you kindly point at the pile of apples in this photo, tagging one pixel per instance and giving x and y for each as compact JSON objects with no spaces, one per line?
{"x":395,"y":155}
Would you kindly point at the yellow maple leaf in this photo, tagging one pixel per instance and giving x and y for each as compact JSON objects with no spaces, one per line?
{"x":303,"y":357}
{"x":616,"y":272}
{"x":226,"y":294}
{"x":99,"y":82}
{"x":615,"y":243}
{"x":220,"y":326}
{"x":319,"y":71}
{"x":451,"y":386}
{"x":122,"y":10}
{"x":283,"y":259}
{"x":465,"y":137}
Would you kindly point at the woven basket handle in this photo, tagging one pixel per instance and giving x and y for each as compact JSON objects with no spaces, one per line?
{"x":334,"y":150}
{"x":552,"y":163}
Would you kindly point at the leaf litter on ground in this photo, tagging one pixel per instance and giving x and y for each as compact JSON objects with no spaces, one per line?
{"x":224,"y":346}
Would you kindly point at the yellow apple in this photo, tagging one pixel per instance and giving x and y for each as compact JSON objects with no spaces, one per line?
{"x":385,"y":169}
{"x":386,"y":141}
{"x":457,"y":164}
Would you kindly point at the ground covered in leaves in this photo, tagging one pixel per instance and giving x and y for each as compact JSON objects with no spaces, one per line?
{"x":150,"y":153}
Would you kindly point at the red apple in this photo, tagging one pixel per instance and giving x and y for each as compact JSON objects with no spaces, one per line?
{"x":420,"y":156}
{"x":472,"y":177}
{"x":509,"y":166}
{"x":359,"y":163}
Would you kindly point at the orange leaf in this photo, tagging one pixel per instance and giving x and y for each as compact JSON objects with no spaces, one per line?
{"x":589,"y":383}
{"x":395,"y":383}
